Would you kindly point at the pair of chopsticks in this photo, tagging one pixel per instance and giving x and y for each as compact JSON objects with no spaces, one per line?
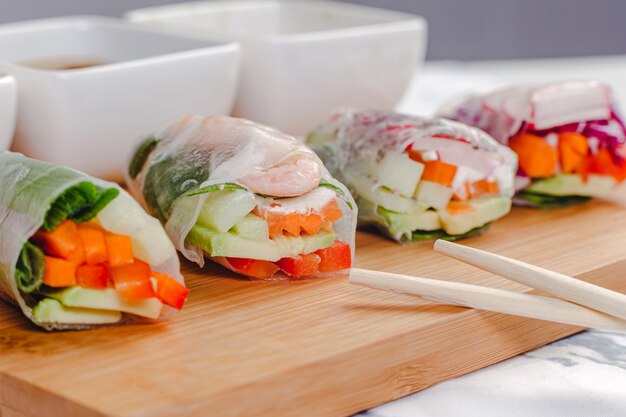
{"x":580,"y":304}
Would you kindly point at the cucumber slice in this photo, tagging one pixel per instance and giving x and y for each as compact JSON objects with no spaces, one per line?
{"x":485,"y":210}
{"x":252,"y":227}
{"x":371,"y":191}
{"x":433,"y":195}
{"x":126,"y":217}
{"x":106,"y":299}
{"x":223,"y":209}
{"x":230,"y":245}
{"x":407,"y":222}
{"x":573,"y":185}
{"x":52,"y":311}
{"x":398,"y":172}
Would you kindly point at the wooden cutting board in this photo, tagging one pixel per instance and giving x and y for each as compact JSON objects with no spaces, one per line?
{"x":311,"y":348}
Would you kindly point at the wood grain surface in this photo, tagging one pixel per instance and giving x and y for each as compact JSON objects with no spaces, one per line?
{"x":308,"y":348}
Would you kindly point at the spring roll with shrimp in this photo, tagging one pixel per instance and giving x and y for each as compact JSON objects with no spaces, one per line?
{"x":417,"y":178}
{"x":568,"y":136}
{"x":249,"y":197}
{"x":78,"y":252}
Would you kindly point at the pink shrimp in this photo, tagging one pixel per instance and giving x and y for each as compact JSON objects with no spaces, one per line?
{"x":290,"y":178}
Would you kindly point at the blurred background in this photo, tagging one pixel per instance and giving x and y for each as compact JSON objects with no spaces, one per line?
{"x":459,"y":29}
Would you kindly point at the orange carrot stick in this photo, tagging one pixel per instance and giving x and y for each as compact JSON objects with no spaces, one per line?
{"x":59,"y":272}
{"x":119,"y":249}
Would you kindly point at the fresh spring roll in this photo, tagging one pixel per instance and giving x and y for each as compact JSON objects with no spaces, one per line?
{"x":568,"y":137}
{"x":77,"y":252}
{"x":249,"y":197}
{"x":417,"y":178}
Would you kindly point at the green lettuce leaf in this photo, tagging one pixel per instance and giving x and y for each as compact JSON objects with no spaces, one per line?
{"x":79,"y":203}
{"x":441,"y":234}
{"x":30,"y":268}
{"x":141,"y":155}
{"x":544,"y":201}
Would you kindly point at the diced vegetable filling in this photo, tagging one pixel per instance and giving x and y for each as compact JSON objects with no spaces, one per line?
{"x":424,"y":193}
{"x":272,"y":235}
{"x":333,"y":258}
{"x":87,"y":256}
{"x":565,"y":166}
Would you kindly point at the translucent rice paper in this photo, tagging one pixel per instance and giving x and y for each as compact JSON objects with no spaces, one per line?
{"x":504,"y":112}
{"x":27,"y":189}
{"x":351,"y":136}
{"x":367,"y":135}
{"x":213,"y":150}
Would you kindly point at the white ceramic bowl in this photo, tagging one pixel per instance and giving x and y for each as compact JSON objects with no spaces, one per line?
{"x":89,"y":118}
{"x":303,"y":58}
{"x":8,"y":106}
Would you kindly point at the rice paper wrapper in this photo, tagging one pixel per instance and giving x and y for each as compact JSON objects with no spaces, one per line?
{"x":169,"y":171}
{"x":547,"y":110}
{"x":584,"y":107}
{"x":28,"y":189}
{"x":351,"y":136}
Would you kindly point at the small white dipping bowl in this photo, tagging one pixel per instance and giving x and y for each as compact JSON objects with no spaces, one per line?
{"x":300,"y":59}
{"x":8,"y":107}
{"x":89,"y":118}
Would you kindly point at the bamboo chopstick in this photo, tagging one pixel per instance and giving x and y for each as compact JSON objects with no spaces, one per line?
{"x":490,"y":299}
{"x":563,"y":286}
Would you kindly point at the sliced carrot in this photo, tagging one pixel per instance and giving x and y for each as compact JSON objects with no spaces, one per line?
{"x":439,"y":172}
{"x":480,"y":188}
{"x":602,"y":162}
{"x":335,"y":258}
{"x":536,"y":157}
{"x":59,"y":272}
{"x":300,"y":266}
{"x":92,"y":276}
{"x":331,"y":211}
{"x":619,"y":171}
{"x":483,"y":188}
{"x":276,"y":223}
{"x":292,"y":222}
{"x":253,"y":267}
{"x":464,"y":193}
{"x":170,"y":291}
{"x":573,"y":148}
{"x":119,"y":249}
{"x":584,"y":168}
{"x":62,"y":242}
{"x":312,"y":223}
{"x":459,"y":207}
{"x":132,"y":281}
{"x":94,"y":243}
{"x":415,"y":155}
{"x":295,"y":223}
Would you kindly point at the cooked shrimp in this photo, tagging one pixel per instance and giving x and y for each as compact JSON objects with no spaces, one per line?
{"x":293,"y":177}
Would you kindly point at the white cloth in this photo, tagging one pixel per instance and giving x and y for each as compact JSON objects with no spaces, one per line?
{"x":580,"y":376}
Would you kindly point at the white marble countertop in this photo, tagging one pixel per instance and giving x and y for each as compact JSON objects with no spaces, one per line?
{"x":581,"y":376}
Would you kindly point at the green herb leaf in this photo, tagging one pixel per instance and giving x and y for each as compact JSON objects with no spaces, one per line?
{"x":544,"y":201}
{"x":217,"y":187}
{"x":79,"y":203}
{"x":441,"y":234}
{"x":141,"y":155}
{"x":30,"y":268}
{"x":338,"y":191}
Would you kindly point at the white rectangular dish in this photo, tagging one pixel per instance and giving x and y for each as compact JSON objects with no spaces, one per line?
{"x":300,"y":59}
{"x":8,"y":105}
{"x":89,"y":87}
